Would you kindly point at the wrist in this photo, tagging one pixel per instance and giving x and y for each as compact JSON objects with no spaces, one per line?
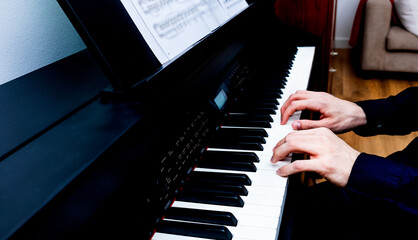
{"x":358,"y":116}
{"x":352,"y":157}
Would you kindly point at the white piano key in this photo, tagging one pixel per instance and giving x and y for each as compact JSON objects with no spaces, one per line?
{"x":265,"y":191}
{"x":238,"y":232}
{"x":262,"y":200}
{"x":268,"y":178}
{"x":265,"y":164}
{"x":167,"y":236}
{"x":255,"y":233}
{"x":257,"y":221}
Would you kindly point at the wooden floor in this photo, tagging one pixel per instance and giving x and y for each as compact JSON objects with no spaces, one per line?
{"x":350,"y":84}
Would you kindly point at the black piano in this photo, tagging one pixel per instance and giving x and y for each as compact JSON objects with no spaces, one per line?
{"x":115,"y":143}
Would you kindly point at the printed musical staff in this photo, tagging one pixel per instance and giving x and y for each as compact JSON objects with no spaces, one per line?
{"x":170,"y":27}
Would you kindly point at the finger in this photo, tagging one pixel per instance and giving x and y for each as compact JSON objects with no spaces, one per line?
{"x":299,"y":105}
{"x":299,"y":166}
{"x":293,"y":135}
{"x":299,"y":95}
{"x":310,"y":124}
{"x":279,"y":143}
{"x":296,"y":142}
{"x":290,"y":109}
{"x":303,"y":92}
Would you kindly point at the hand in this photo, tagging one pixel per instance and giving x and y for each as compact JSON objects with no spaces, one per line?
{"x":330,"y":156}
{"x":336,"y":114}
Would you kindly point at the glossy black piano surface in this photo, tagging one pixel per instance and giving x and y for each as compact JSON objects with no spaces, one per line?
{"x":81,"y":161}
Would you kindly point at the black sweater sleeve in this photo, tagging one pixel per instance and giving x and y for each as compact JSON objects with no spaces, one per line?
{"x":395,"y":115}
{"x":393,"y":179}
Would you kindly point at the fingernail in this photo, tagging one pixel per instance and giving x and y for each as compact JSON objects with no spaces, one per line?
{"x":296,"y":125}
{"x":271,"y":160}
{"x":278,"y":172}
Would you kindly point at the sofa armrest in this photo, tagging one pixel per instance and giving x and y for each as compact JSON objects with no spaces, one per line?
{"x":377,"y":21}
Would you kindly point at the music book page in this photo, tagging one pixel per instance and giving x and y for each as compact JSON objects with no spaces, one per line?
{"x":170,"y":27}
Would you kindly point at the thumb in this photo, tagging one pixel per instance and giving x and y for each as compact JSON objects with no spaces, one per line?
{"x":307,"y":124}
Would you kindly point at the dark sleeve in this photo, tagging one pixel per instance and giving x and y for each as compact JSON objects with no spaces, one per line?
{"x":393,"y":179}
{"x":395,"y":115}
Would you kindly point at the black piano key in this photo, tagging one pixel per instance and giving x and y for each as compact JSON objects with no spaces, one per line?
{"x":277,"y":78}
{"x":203,"y":216}
{"x":195,"y":230}
{"x":276,"y":83}
{"x":280,"y":72}
{"x":221,"y":188}
{"x":237,"y":166}
{"x":247,"y":123}
{"x":254,"y":104}
{"x":271,"y":100}
{"x":239,"y":145}
{"x":245,"y":132}
{"x":259,"y":104}
{"x":271,"y":94}
{"x":255,"y":111}
{"x":268,"y":105}
{"x":268,"y":97}
{"x":258,"y":99}
{"x":235,"y":178}
{"x":265,"y":110}
{"x":274,"y":89}
{"x":230,"y":138}
{"x":250,"y":117}
{"x":257,"y":96}
{"x":211,"y":198}
{"x":228,"y":156}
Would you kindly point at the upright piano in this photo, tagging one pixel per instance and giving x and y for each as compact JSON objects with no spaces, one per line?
{"x":123,"y":142}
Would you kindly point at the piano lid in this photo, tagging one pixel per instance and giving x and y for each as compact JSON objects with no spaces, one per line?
{"x":134,"y":39}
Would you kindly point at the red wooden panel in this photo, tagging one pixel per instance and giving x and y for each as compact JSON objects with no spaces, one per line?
{"x":315,"y":17}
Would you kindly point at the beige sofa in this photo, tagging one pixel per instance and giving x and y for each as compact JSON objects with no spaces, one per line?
{"x":387,"y":47}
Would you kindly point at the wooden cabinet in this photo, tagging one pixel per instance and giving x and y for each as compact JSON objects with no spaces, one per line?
{"x":316,"y":17}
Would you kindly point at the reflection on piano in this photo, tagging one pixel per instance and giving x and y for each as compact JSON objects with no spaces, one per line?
{"x":188,"y":164}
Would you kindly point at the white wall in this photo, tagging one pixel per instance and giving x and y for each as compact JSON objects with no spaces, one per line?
{"x":346,"y":10}
{"x":33,"y":34}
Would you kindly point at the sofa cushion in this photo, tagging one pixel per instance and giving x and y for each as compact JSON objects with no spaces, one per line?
{"x":399,"y":39}
{"x":407,"y":11}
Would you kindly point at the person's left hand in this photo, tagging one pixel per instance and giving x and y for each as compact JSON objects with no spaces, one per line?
{"x":330,"y":156}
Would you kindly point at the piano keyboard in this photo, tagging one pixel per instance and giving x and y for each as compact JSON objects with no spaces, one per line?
{"x":243,"y":199}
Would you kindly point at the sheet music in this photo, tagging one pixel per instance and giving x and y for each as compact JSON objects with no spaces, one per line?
{"x":170,"y":27}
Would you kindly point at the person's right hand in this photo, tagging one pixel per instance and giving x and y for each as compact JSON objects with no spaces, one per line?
{"x":330,"y":156}
{"x":336,"y":114}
